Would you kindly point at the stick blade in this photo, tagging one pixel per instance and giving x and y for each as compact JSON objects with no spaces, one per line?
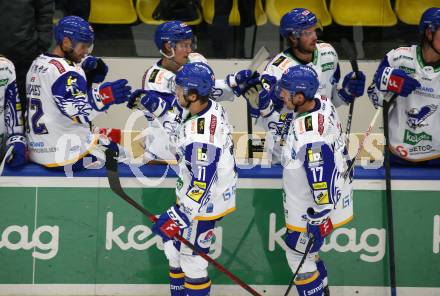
{"x":261,"y":55}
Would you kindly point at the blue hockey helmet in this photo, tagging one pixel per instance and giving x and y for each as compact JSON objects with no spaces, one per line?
{"x":297,"y":20}
{"x":430,"y":19}
{"x":299,"y":79}
{"x":75,"y":28}
{"x":196,"y":76}
{"x":172,"y":31}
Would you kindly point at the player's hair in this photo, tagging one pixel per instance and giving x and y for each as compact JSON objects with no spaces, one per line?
{"x":202,"y":99}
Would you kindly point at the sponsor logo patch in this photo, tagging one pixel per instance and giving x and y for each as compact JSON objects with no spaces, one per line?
{"x":414,"y":138}
{"x":202,"y":154}
{"x":321,"y":197}
{"x":195,"y":193}
{"x":58,"y":65}
{"x":212,"y":127}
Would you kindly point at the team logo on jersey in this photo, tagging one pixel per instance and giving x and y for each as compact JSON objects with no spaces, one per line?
{"x":308,"y":123}
{"x":202,"y":154}
{"x":153,"y":75}
{"x":201,"y":125}
{"x":417,"y":117}
{"x":195,"y":193}
{"x":73,"y":88}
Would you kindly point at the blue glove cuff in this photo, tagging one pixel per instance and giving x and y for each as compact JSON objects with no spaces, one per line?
{"x":178,"y":217}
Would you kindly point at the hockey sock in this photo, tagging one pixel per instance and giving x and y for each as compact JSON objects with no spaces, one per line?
{"x":197,"y":287}
{"x":177,"y":279}
{"x":322,"y":272}
{"x":309,"y":284}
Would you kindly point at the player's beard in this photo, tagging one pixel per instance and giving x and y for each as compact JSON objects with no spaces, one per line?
{"x":305,"y":49}
{"x":187,"y":102}
{"x":431,"y":43}
{"x":70,"y":55}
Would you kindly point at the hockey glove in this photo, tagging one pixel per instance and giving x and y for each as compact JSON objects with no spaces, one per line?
{"x":396,"y":81}
{"x":95,"y":69}
{"x":319,"y":224}
{"x":259,"y":100}
{"x":154,"y":102}
{"x":353,"y":86}
{"x":18,"y":156}
{"x":241,"y":81}
{"x":170,"y":223}
{"x":109,"y":93}
{"x":135,"y":99}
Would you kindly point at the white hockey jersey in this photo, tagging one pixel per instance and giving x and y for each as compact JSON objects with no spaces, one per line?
{"x":413,"y":121}
{"x":315,"y":159}
{"x":59,"y":112}
{"x":11,"y":120}
{"x":161,"y":80}
{"x":207,"y":180}
{"x":325,"y":63}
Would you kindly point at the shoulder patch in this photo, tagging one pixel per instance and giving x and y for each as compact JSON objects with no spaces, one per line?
{"x":4,"y":82}
{"x":58,"y":65}
{"x":201,"y":125}
{"x":212,"y":127}
{"x":279,"y":61}
{"x":153,"y":75}
{"x":308,"y":123}
{"x":328,"y":66}
{"x":320,"y":124}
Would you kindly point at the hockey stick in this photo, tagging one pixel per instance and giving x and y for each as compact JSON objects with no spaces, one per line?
{"x":389,"y":196}
{"x":306,"y":252}
{"x":366,"y":134}
{"x":115,"y":185}
{"x":354,"y":66}
{"x":261,"y":55}
{"x":3,"y":159}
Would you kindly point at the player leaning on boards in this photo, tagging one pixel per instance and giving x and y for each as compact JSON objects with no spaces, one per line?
{"x":174,"y":41}
{"x":63,"y":98}
{"x":206,"y":185}
{"x":11,"y":117}
{"x":413,"y":73}
{"x":300,"y":28}
{"x":316,"y":195}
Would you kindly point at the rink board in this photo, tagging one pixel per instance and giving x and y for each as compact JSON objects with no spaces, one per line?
{"x":59,"y":232}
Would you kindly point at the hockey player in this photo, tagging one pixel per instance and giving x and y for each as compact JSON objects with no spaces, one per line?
{"x":62,"y":100}
{"x":206,"y":185}
{"x":413,"y":74}
{"x":174,"y":40}
{"x":316,"y":195}
{"x":300,"y":29}
{"x":11,"y":119}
